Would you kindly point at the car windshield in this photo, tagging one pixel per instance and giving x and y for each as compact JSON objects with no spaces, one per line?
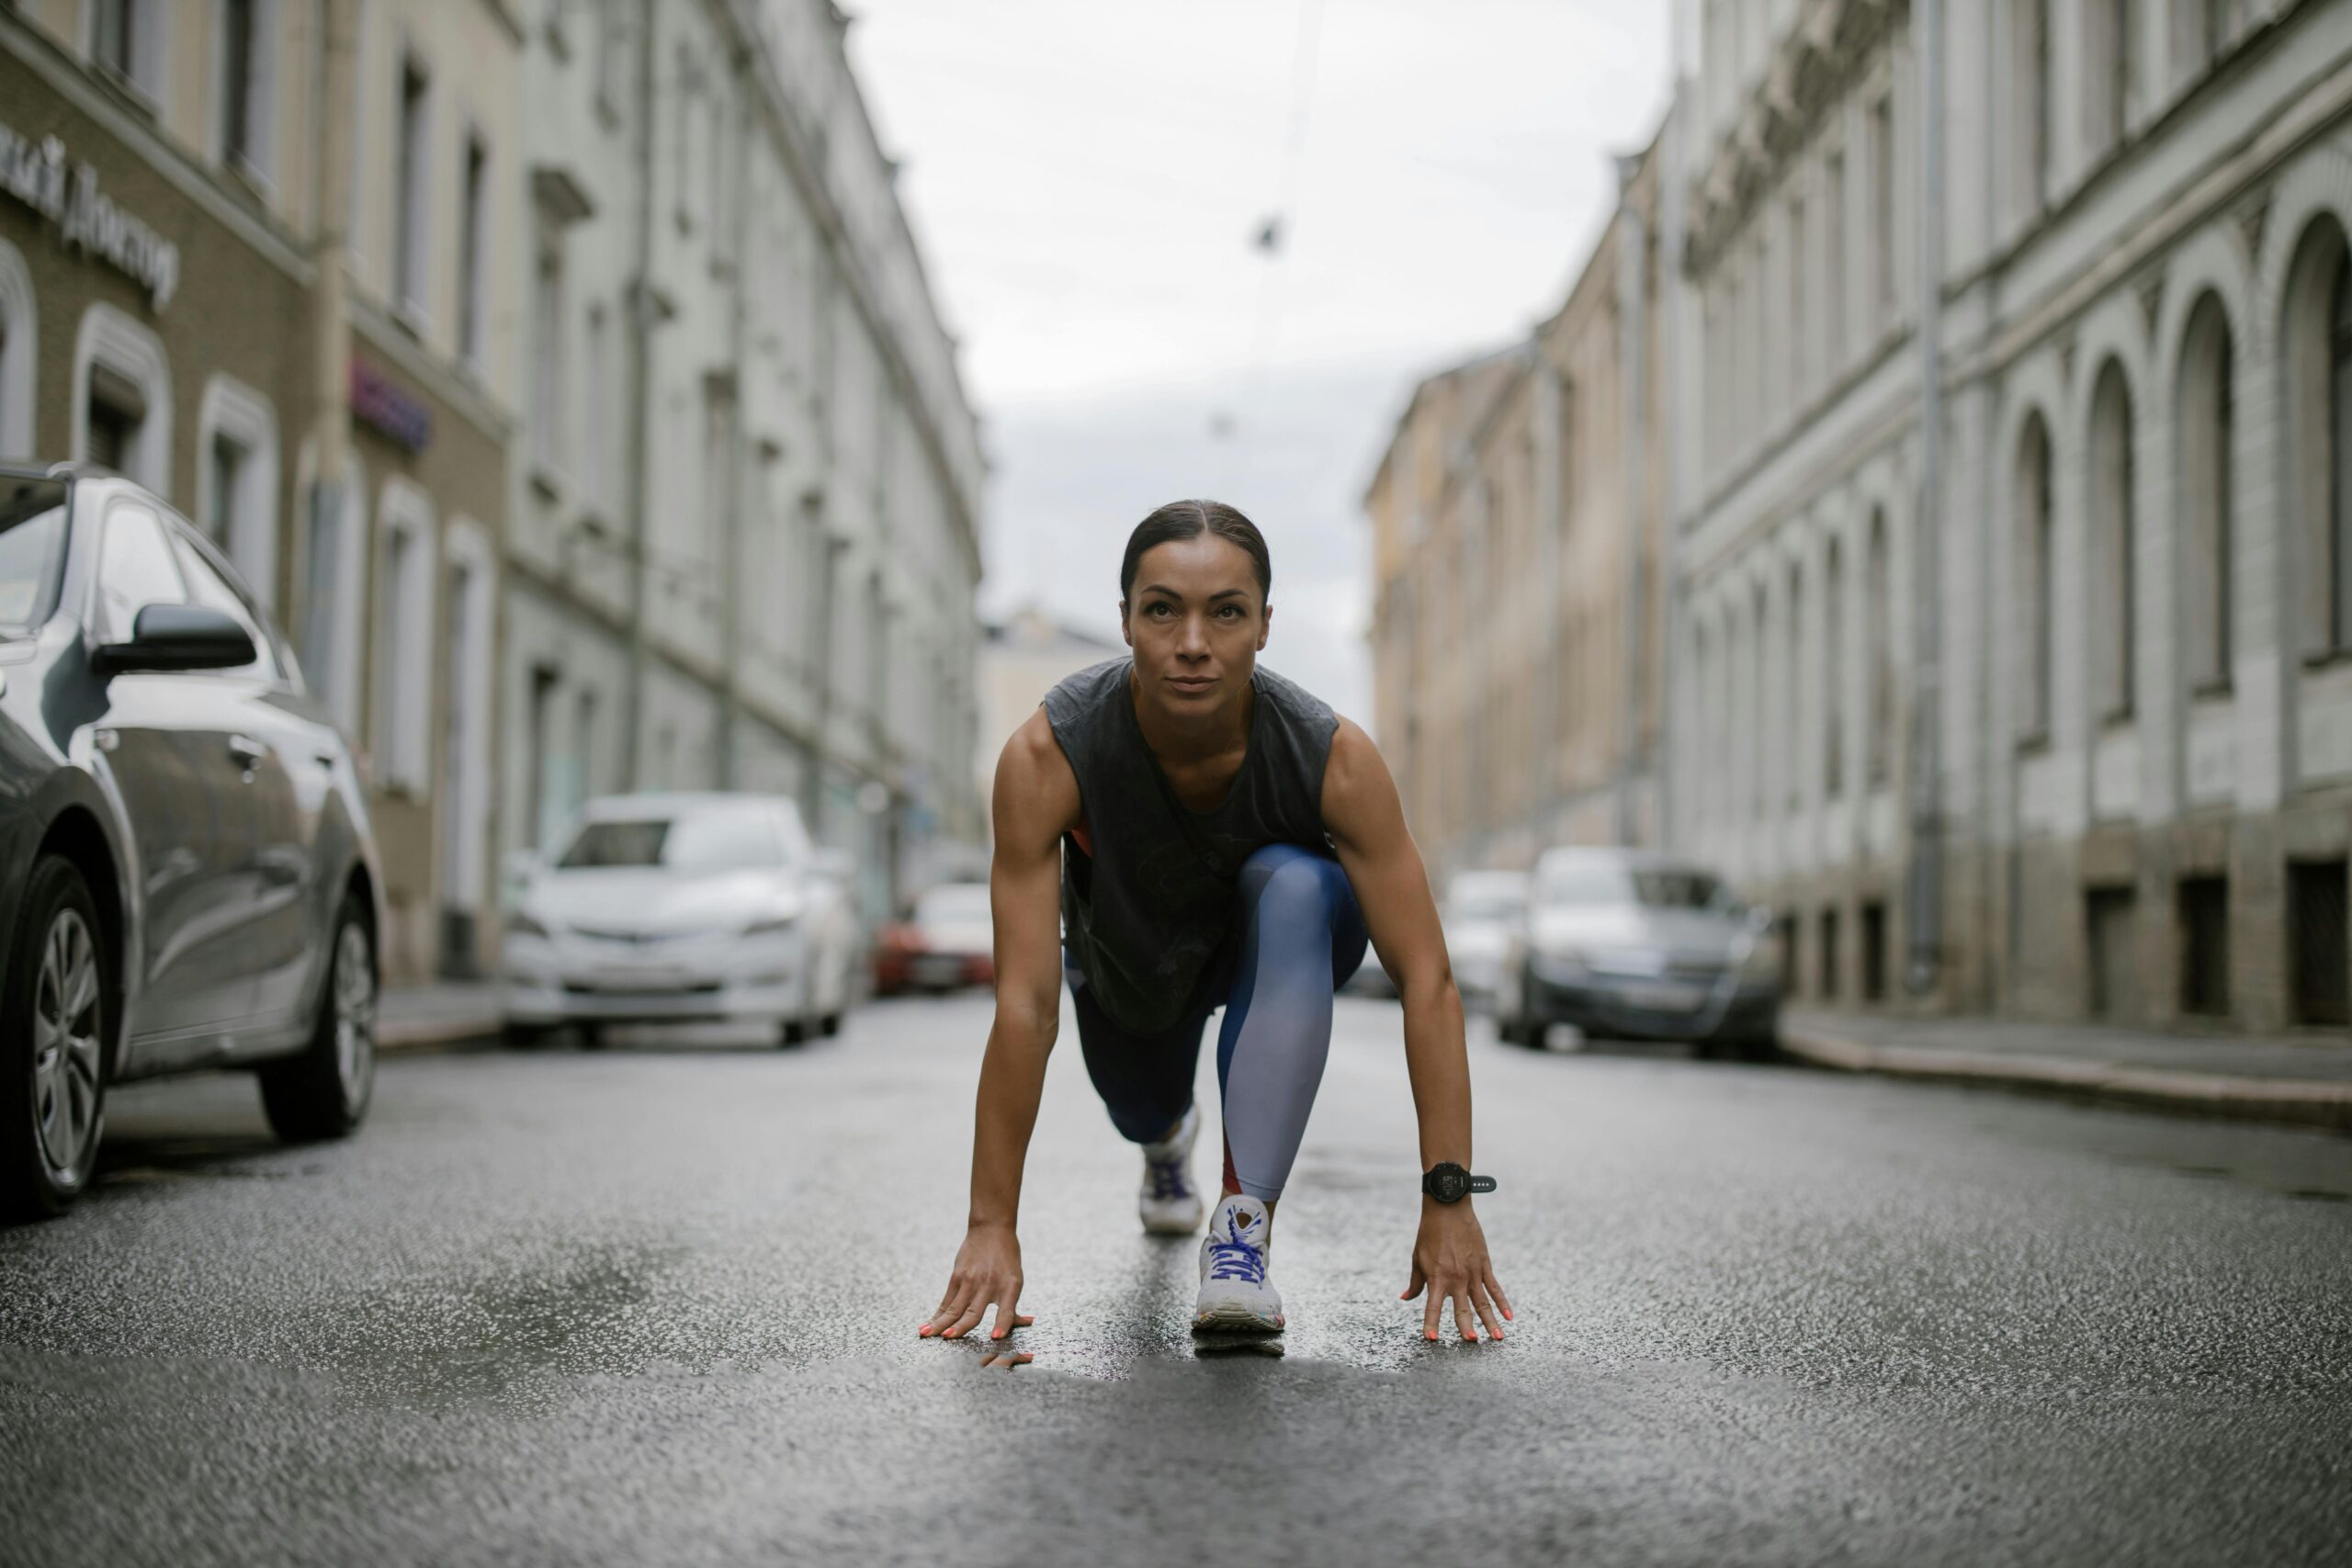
{"x":1614,"y":881}
{"x":32,"y":536}
{"x":1492,"y":903}
{"x":963,"y":904}
{"x":702,"y":840}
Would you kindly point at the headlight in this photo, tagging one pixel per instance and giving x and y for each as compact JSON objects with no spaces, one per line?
{"x":522,"y":924}
{"x":770,"y":925}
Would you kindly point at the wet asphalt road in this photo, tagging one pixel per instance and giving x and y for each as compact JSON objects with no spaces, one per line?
{"x":658,"y":1305}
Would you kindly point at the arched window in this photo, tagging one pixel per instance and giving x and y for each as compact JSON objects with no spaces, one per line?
{"x":2112,"y":538}
{"x":2036,"y":558}
{"x":1833,"y":671}
{"x":2317,"y":339}
{"x":1880,"y":610}
{"x":2206,"y":420}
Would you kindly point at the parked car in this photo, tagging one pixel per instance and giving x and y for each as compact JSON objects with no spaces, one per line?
{"x":946,"y":942}
{"x":187,"y":875}
{"x":681,"y":908}
{"x":1481,"y":909}
{"x":1625,"y":943}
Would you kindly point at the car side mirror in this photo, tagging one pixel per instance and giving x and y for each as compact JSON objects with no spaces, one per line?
{"x":1759,"y":919}
{"x":177,"y":637}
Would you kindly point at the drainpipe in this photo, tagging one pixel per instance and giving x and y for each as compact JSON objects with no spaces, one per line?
{"x":1633,"y":247}
{"x":642,"y":315}
{"x":330,"y":340}
{"x":1926,"y":881}
{"x":1669,"y":266}
{"x":731,"y":485}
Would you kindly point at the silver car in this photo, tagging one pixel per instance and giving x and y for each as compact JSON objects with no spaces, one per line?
{"x":683,"y":907}
{"x":1625,"y":943}
{"x":1481,"y":910}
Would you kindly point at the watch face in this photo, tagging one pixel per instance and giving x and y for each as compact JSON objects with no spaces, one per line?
{"x":1448,"y":1183}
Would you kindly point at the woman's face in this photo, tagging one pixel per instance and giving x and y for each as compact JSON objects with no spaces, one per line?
{"x":1195,"y":620}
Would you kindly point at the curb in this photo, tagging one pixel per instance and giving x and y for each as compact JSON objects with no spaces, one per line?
{"x":439,"y":1033}
{"x":2303,"y":1102}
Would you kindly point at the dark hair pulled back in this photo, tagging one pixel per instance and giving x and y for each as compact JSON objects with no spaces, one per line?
{"x":1189,"y":520}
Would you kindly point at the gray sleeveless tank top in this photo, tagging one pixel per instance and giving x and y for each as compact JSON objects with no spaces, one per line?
{"x":1146,"y":910}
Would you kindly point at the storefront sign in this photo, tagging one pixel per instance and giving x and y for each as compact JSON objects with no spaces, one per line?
{"x":377,"y":402}
{"x":38,"y":175}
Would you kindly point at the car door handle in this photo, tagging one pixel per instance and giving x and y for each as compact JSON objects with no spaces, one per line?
{"x":247,"y":750}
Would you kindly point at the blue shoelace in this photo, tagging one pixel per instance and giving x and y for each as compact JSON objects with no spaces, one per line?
{"x":1237,"y":1260}
{"x":1167,"y":1178}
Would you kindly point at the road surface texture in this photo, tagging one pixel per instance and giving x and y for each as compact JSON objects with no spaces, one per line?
{"x":657,"y":1304}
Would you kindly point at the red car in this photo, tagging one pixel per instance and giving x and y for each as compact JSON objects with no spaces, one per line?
{"x":946,"y":942}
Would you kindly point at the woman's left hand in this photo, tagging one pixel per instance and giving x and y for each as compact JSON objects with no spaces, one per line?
{"x":1450,"y":1259}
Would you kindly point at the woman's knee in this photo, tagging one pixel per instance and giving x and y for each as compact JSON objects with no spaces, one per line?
{"x":1288,"y":882}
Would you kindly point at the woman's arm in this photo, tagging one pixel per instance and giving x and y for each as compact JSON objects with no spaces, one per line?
{"x":1366,"y":822}
{"x":1034,"y":802}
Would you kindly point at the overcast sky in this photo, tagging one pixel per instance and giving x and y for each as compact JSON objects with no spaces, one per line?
{"x":1086,"y":177}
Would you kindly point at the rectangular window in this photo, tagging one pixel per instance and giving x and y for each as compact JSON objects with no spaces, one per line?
{"x":602,"y":435}
{"x":410,"y":255}
{"x":608,"y":55}
{"x":237,"y":83}
{"x":113,"y":35}
{"x":1883,"y":202}
{"x":548,"y":446}
{"x":1798,"y":276}
{"x":584,"y":742}
{"x":544,"y":778}
{"x":1830,"y":978}
{"x":2315,"y":915}
{"x":2205,"y":946}
{"x":472,"y":278}
{"x":220,"y":498}
{"x":1874,"y":951}
{"x":1833,"y":260}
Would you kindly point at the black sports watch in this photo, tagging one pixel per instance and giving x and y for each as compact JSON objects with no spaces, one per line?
{"x":1449,"y":1183}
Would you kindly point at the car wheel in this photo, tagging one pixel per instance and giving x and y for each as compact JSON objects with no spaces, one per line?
{"x":830,"y":1023}
{"x":323,"y":1092}
{"x":53,"y":1044}
{"x":791,"y":1032}
{"x":526,"y":1036}
{"x":592,"y":1036}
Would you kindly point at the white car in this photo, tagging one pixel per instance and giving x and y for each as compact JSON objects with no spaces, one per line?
{"x":684,"y":907}
{"x":1481,"y":910}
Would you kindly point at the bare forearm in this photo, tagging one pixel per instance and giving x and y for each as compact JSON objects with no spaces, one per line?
{"x":1012,"y":1079}
{"x":1439,"y":1067}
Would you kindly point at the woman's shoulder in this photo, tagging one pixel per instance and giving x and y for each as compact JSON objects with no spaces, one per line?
{"x":1297,"y":702}
{"x":1088,"y":688}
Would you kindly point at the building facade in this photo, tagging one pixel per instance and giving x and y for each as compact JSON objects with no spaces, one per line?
{"x":2011,"y":659}
{"x":177,"y":302}
{"x":747,"y":499}
{"x":1519,"y":536}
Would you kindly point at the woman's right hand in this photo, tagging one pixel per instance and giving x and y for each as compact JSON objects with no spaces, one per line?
{"x":987,"y":1273}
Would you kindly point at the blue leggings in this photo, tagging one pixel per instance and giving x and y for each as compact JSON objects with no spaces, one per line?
{"x":1301,"y":935}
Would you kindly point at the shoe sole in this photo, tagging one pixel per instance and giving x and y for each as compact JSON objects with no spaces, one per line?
{"x":1233,"y":1320}
{"x":1170,"y":1227}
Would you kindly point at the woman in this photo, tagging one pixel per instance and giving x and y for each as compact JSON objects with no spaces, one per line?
{"x":1210,"y":835}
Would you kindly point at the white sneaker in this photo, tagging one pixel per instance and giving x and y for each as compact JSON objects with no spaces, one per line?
{"x":1169,"y":1203}
{"x":1236,"y":1296}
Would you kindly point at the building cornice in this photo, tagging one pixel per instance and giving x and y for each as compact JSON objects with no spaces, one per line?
{"x":1808,"y":71}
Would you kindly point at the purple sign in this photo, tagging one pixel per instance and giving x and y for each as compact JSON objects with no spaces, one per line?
{"x":381,"y":405}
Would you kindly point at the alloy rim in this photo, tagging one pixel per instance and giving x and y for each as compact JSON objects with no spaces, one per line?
{"x":65,"y":1044}
{"x":355,"y":1012}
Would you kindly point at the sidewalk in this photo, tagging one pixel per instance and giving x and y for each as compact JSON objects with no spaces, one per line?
{"x":443,"y":1013}
{"x":2257,"y":1077}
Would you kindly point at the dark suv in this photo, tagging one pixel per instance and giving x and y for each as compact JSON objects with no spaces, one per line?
{"x":186,"y":875}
